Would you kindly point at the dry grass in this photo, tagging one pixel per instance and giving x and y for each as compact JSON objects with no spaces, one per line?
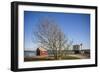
{"x":45,"y":58}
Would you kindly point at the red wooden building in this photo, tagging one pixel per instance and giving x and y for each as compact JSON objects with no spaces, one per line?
{"x":42,"y":52}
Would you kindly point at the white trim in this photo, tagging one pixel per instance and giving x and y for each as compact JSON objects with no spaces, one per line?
{"x":22,"y":64}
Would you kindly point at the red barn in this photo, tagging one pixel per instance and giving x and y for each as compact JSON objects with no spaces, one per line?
{"x":42,"y":52}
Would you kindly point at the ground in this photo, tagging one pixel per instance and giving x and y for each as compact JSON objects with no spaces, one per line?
{"x":67,"y":57}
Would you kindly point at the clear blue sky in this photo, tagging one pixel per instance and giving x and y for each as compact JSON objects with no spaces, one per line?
{"x":75,"y":26}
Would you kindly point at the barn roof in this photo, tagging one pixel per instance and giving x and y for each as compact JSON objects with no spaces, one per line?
{"x":42,"y":49}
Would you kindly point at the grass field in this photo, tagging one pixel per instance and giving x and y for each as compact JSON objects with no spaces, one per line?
{"x":70,"y":57}
{"x":41,"y":58}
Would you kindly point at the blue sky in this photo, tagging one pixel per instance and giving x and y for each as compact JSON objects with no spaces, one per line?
{"x":76,"y":26}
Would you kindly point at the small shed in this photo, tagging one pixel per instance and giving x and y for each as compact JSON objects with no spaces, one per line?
{"x":41,"y":52}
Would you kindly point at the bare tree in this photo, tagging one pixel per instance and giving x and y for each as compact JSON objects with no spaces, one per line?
{"x":49,"y":35}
